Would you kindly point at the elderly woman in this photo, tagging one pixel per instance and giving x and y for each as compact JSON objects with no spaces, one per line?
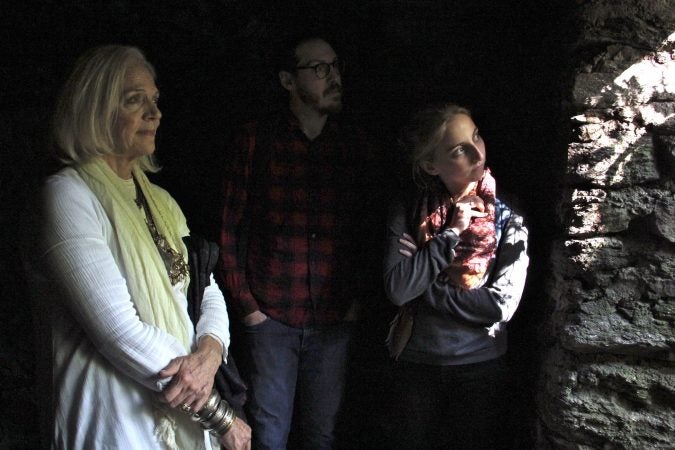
{"x":455,"y":263}
{"x":109,"y":268}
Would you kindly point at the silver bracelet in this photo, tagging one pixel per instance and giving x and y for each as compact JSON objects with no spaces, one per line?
{"x":216,"y":416}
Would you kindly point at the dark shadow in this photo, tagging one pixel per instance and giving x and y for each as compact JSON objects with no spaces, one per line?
{"x":504,"y":60}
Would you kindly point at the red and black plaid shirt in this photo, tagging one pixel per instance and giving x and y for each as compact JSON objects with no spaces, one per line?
{"x":301,"y":266}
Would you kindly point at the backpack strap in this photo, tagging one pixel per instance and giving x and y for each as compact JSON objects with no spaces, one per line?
{"x":202,"y":259}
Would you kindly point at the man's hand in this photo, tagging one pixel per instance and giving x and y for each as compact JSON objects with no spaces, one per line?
{"x":254,"y":318}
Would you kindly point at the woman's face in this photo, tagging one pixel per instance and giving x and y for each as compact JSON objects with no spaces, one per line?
{"x":460,"y":158}
{"x":138,"y":115}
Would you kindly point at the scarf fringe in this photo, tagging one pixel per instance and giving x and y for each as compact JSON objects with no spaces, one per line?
{"x":165,"y":430}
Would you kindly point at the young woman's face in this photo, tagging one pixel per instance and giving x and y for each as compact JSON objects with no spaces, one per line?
{"x":460,"y":158}
{"x":138,"y":116}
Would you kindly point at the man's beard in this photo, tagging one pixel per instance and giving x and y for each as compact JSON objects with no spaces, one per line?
{"x":313,"y":100}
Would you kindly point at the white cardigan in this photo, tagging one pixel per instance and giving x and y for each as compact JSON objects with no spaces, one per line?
{"x":104,"y":360}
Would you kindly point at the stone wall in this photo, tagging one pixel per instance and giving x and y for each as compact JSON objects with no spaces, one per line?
{"x":608,"y":379}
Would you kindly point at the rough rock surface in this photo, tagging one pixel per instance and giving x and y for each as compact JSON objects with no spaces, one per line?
{"x":608,"y":379}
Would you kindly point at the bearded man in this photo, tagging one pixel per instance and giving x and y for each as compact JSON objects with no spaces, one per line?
{"x":292,"y":250}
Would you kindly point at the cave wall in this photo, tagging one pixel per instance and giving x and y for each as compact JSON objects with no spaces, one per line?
{"x":608,"y":376}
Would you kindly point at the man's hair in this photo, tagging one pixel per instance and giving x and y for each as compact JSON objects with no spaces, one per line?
{"x":425,"y":133}
{"x":87,"y":108}
{"x":287,"y":57}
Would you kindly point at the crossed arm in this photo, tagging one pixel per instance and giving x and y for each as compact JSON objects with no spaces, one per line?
{"x":411,"y":271}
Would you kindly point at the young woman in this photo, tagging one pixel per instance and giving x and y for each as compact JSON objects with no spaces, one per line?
{"x":455,"y":263}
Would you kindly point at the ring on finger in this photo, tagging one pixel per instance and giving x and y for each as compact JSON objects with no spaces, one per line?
{"x":185,"y":408}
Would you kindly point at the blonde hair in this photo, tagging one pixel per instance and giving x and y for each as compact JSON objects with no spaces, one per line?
{"x":424,"y":134}
{"x":87,"y":107}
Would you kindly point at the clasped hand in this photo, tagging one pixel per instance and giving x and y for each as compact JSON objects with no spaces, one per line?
{"x":192,"y":383}
{"x":466,"y":209}
{"x":192,"y":375}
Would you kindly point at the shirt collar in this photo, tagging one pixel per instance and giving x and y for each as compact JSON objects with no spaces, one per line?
{"x":329,"y":129}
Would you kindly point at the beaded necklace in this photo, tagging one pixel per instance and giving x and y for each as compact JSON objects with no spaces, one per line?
{"x":176,"y":266}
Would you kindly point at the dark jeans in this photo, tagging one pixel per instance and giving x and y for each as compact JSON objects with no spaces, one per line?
{"x":288,"y":367}
{"x":449,"y":407}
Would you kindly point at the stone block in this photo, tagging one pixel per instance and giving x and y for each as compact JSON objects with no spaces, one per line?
{"x":628,"y":257}
{"x":657,"y":114}
{"x":597,"y":90}
{"x":615,"y":334}
{"x":665,"y":153}
{"x":650,"y":78}
{"x":666,"y":128}
{"x":618,"y":164}
{"x":664,"y":217}
{"x":602,"y":211}
{"x":642,"y":23}
{"x":614,"y":295}
{"x":590,"y":402}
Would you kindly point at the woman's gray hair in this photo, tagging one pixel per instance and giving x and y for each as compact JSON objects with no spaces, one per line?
{"x":87,"y":108}
{"x":425,"y":133}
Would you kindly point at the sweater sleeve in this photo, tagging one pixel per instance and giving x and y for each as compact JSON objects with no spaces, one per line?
{"x":213,"y":318}
{"x":498,"y":299}
{"x":406,"y":278}
{"x":79,"y":259}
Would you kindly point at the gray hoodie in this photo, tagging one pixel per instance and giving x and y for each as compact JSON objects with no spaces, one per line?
{"x":452,"y":325}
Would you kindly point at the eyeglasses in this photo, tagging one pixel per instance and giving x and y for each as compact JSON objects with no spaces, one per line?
{"x":322,"y":70}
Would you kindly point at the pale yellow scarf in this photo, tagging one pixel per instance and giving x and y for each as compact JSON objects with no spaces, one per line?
{"x":145,"y":271}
